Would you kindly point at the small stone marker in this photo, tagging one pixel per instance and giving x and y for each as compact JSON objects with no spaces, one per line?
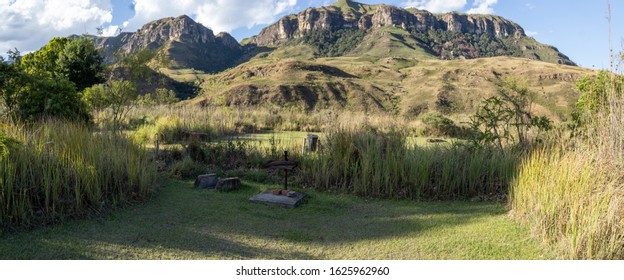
{"x":208,"y":181}
{"x":287,"y":199}
{"x":228,"y":184}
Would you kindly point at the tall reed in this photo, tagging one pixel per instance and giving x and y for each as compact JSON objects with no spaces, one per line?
{"x":171,"y":122}
{"x":377,"y":164}
{"x":572,"y":193}
{"x":61,"y":169}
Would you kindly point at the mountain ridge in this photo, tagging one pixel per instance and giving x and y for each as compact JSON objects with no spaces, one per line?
{"x":350,"y":15}
{"x":182,"y":41}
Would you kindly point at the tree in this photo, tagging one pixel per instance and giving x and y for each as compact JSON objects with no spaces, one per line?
{"x":76,"y":60}
{"x":12,"y":81}
{"x":160,"y":97}
{"x":94,"y":97}
{"x":119,"y":96}
{"x":498,"y":116}
{"x":47,"y":82}
{"x":40,"y":97}
{"x":81,"y":63}
{"x":44,"y":61}
{"x":490,"y":124}
{"x":517,"y":95}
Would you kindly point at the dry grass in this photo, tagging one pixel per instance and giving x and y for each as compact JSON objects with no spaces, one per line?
{"x":61,"y":170}
{"x":572,"y":193}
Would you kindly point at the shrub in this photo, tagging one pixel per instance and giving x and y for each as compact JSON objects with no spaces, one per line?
{"x":437,"y":124}
{"x":187,"y":169}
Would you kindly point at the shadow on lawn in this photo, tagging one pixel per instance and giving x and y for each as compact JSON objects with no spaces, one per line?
{"x":186,"y":223}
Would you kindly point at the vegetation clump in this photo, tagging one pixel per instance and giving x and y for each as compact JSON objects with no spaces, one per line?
{"x":570,"y":191}
{"x":329,"y":43}
{"x":62,"y":170}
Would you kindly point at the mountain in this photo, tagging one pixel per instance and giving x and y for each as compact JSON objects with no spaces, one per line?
{"x":358,"y":57}
{"x":379,"y":58}
{"x":405,"y":33}
{"x":178,"y":43}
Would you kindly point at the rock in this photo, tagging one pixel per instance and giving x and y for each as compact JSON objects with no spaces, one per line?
{"x":292,"y":200}
{"x":228,"y":184}
{"x":436,"y":141}
{"x":186,"y":43}
{"x":370,"y":17}
{"x":208,"y":181}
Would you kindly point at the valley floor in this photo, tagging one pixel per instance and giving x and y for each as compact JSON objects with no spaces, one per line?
{"x":186,"y":223}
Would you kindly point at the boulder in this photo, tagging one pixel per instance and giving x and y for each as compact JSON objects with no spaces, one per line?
{"x":229,"y":184}
{"x":209,"y":181}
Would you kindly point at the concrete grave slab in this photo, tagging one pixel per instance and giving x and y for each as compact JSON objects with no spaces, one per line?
{"x":268,"y":198}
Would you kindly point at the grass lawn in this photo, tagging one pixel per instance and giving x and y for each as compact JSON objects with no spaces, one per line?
{"x":185,"y":223}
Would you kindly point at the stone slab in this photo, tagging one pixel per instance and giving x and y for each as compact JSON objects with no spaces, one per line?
{"x":278,"y":200}
{"x":208,"y":181}
{"x":228,"y":184}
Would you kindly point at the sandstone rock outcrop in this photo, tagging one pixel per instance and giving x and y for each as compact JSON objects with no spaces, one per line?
{"x":369,"y":17}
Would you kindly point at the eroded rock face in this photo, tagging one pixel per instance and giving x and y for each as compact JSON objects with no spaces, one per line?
{"x":186,"y":43}
{"x":279,"y":32}
{"x":493,"y":26}
{"x":380,"y":16}
{"x":159,"y":32}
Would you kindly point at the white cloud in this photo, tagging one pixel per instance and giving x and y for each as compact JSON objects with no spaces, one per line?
{"x":219,"y":15}
{"x":483,"y":7}
{"x":436,"y":6}
{"x":29,"y":24}
{"x":530,"y":6}
{"x":531,"y":33}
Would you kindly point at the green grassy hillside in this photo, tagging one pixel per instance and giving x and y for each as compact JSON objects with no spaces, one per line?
{"x":408,"y":85}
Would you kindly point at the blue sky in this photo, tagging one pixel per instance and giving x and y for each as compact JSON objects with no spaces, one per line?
{"x":579,"y":28}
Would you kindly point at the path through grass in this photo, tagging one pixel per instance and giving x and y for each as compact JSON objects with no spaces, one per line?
{"x":185,"y":223}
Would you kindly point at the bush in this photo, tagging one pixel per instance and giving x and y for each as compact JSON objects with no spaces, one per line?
{"x":187,"y":169}
{"x":437,"y":124}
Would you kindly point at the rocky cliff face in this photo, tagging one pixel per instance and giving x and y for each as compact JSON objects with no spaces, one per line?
{"x":186,"y":43}
{"x":367,"y":18}
{"x":157,"y":33}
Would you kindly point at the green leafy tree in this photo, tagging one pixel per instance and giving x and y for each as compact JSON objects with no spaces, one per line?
{"x":47,"y":82}
{"x":490,"y":124}
{"x":118,"y":96}
{"x":162,"y":96}
{"x":517,"y":95}
{"x":43,"y":97}
{"x":45,"y":60}
{"x":507,"y":119}
{"x":94,"y":97}
{"x":81,"y":63}
{"x":77,"y":60}
{"x":12,"y":83}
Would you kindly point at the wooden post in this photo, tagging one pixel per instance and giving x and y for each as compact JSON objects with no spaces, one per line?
{"x":156,"y":148}
{"x":285,"y":171}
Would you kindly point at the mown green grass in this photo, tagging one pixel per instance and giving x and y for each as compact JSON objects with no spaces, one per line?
{"x":186,"y":223}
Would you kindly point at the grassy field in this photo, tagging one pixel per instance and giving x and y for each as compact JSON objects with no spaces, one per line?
{"x":186,"y":223}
